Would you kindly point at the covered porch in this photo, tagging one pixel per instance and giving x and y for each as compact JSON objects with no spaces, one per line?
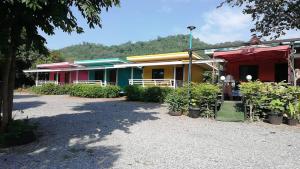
{"x":169,"y":74}
{"x":264,"y":63}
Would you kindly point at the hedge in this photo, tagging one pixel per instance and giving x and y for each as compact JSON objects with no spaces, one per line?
{"x":203,"y":95}
{"x":94,"y":91}
{"x":263,"y":97}
{"x":78,"y":90}
{"x":51,"y":89}
{"x":147,"y":94}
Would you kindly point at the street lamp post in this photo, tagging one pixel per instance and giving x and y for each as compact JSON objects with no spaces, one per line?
{"x":191,"y":28}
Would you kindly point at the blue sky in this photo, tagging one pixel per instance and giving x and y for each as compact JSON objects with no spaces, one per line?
{"x":141,"y":20}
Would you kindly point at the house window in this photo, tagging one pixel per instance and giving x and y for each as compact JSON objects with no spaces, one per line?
{"x":157,"y":73}
{"x":248,"y":70}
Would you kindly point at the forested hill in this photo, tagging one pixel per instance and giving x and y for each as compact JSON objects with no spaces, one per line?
{"x":175,"y":43}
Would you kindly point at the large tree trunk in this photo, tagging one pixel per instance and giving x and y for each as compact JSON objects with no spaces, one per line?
{"x":7,"y":88}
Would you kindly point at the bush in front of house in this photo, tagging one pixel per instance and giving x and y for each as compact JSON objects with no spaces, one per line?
{"x":18,"y":132}
{"x":94,"y":91}
{"x":178,"y":101}
{"x":134,"y":92}
{"x":270,"y":99}
{"x":203,"y":96}
{"x":156,"y":94}
{"x":51,"y":89}
{"x":78,"y":90}
{"x":147,"y":94}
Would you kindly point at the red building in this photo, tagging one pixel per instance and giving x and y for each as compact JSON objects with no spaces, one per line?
{"x":266,"y":63}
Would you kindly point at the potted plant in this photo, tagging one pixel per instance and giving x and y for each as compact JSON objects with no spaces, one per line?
{"x":277,"y":107}
{"x":293,"y":114}
{"x":194,"y":109}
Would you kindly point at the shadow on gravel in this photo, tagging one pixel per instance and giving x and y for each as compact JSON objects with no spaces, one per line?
{"x":24,"y":96}
{"x":75,"y":140}
{"x":27,"y":105}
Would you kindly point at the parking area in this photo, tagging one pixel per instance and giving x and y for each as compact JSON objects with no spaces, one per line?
{"x":114,"y":133}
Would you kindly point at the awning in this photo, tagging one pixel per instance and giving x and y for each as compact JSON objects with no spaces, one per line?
{"x":65,"y":69}
{"x":58,"y":65}
{"x":206,"y":62}
{"x":256,"y":53}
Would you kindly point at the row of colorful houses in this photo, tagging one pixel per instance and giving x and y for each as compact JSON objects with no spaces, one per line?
{"x":168,"y":69}
{"x":268,"y":63}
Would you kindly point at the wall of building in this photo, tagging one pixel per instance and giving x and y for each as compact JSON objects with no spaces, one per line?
{"x":197,"y":73}
{"x":266,"y":69}
{"x":168,"y":71}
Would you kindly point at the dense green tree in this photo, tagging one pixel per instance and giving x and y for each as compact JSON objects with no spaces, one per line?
{"x":272,"y":17}
{"x":19,"y":24}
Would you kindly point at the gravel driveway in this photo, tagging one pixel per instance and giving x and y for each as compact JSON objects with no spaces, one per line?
{"x":113,"y":133}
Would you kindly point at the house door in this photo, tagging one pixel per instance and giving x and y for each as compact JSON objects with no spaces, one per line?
{"x":179,"y":73}
{"x":113,"y":76}
{"x":248,"y":70}
{"x":281,"y":72}
{"x":67,"y":77}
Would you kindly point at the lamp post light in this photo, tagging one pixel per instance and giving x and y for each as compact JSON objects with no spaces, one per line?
{"x":223,"y":78}
{"x":191,"y":28}
{"x":249,"y":78}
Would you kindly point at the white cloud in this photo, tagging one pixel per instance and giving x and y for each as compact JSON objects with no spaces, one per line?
{"x":224,"y":24}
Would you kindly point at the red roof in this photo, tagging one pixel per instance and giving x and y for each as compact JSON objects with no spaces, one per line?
{"x":254,"y":53}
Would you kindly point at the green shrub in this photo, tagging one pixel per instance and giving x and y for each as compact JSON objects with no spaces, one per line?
{"x":134,"y":92}
{"x":177,"y":100}
{"x":18,"y":132}
{"x":156,"y":94}
{"x":205,"y":94}
{"x":147,"y":94}
{"x":264,"y":97}
{"x":94,"y":91}
{"x":49,"y":89}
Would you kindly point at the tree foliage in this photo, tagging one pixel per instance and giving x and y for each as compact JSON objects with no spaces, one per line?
{"x":272,"y":17}
{"x":19,"y":25}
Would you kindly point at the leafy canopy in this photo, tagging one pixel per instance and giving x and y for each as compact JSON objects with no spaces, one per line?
{"x":272,"y":17}
{"x":28,"y":16}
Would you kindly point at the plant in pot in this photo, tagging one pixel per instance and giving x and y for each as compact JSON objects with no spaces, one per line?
{"x":293,"y":114}
{"x":277,"y":107}
{"x":194,"y":109}
{"x":177,"y":101}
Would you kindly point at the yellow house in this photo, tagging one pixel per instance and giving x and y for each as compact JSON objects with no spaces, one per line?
{"x":169,"y":69}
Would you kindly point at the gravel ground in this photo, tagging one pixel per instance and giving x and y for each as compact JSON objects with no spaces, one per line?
{"x":113,"y":133}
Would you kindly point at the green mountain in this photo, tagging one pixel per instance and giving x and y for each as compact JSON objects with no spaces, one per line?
{"x":176,"y":43}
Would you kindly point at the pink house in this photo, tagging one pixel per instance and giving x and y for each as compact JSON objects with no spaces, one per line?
{"x":59,"y":73}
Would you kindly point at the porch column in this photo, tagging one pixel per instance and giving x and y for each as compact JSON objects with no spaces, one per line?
{"x":57,"y":77}
{"x":183,"y":76}
{"x":105,"y":77}
{"x":37,"y":79}
{"x":70,"y":77}
{"x":117,"y":75}
{"x":76,"y":76}
{"x":174,"y":76}
{"x":131,"y":76}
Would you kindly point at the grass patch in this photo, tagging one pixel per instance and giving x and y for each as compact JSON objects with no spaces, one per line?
{"x":231,"y":111}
